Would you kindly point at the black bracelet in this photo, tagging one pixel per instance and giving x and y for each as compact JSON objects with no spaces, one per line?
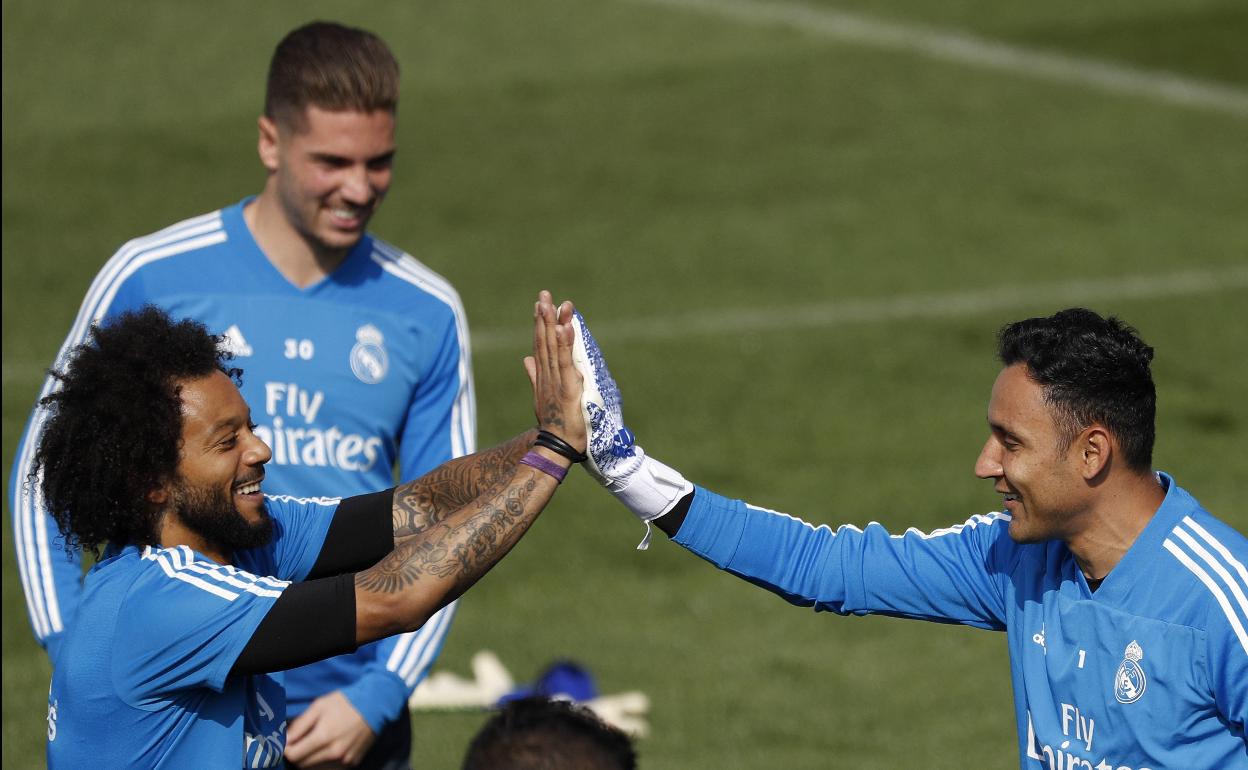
{"x":560,"y":447}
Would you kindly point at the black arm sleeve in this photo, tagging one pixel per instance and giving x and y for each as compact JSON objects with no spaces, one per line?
{"x":671,"y":521}
{"x":361,"y":533}
{"x":310,"y":621}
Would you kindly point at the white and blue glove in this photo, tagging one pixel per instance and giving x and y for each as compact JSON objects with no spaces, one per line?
{"x":646,"y":486}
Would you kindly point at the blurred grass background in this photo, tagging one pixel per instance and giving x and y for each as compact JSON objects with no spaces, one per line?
{"x":664,"y":166}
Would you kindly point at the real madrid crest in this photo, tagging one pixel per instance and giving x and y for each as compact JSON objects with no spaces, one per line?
{"x":369,"y":361}
{"x":1129,"y":680}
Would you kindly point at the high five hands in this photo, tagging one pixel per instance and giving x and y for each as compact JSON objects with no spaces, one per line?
{"x":557,"y":385}
{"x":576,"y":398}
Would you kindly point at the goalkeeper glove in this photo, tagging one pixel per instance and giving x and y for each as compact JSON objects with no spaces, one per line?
{"x":646,"y":486}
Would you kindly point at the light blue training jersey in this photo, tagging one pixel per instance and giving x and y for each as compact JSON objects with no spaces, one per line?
{"x":1150,"y":671}
{"x":141,"y":680}
{"x":347,"y":378}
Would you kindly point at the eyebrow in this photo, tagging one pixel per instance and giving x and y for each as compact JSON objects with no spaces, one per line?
{"x":1001,"y":429}
{"x":329,"y":157}
{"x":230,"y":423}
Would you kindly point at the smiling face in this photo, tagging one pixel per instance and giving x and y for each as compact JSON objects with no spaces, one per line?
{"x":1042,"y":481}
{"x":329,"y":171}
{"x":216,"y":494}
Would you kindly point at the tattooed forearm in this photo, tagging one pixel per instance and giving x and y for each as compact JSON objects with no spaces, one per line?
{"x":460,"y":551}
{"x":420,"y":504}
{"x":404,"y":565}
{"x":489,"y":535}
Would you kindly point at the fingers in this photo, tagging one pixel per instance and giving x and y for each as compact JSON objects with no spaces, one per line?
{"x":545,"y":324}
{"x":301,"y":725}
{"x":539,"y":330}
{"x":566,"y":338}
{"x":299,"y":728}
{"x":550,"y":317}
{"x":557,"y":385}
{"x":552,"y":333}
{"x":330,"y":734}
{"x":545,"y":351}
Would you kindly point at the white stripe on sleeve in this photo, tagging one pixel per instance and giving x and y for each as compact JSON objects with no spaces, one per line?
{"x":1217,"y":546}
{"x":1213,"y":587}
{"x":463,"y":411}
{"x":425,"y":645}
{"x":180,"y":563}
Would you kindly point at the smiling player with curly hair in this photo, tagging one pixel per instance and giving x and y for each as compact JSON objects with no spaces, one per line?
{"x":208,"y":585}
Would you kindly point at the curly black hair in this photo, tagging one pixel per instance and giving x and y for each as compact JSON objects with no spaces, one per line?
{"x":1091,"y":370}
{"x":539,"y":733}
{"x":114,"y":424}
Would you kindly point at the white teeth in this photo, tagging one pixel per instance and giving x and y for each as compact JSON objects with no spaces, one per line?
{"x":248,"y":489}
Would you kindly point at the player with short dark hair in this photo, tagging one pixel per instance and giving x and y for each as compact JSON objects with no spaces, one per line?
{"x":357,"y":356}
{"x":1092,"y":370}
{"x":333,"y":68}
{"x":540,"y":733}
{"x":1124,"y":602}
{"x":208,"y":585}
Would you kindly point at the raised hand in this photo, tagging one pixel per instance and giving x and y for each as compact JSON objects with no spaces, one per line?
{"x":556,"y":381}
{"x":646,"y":486}
{"x":612,"y":446}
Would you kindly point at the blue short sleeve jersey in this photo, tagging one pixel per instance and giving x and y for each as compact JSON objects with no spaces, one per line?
{"x":347,"y":379}
{"x":142,"y":678}
{"x":1149,"y":671}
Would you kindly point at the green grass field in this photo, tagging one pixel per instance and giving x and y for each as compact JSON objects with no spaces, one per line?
{"x":795,"y":248}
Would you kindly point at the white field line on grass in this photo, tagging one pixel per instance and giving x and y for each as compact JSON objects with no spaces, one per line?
{"x":915,"y":307}
{"x":967,"y":49}
{"x":1044,"y":298}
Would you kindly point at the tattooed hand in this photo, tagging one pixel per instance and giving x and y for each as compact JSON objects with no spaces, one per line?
{"x":556,"y":382}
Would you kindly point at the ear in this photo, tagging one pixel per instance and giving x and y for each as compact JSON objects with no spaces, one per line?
{"x":268,"y":144}
{"x":158,"y":496}
{"x":1094,"y":448}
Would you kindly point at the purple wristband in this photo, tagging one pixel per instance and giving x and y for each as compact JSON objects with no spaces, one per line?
{"x":548,"y":467}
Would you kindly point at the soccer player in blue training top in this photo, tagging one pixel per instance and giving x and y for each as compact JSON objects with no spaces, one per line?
{"x":208,"y":584}
{"x":1123,"y":601}
{"x":357,"y":357}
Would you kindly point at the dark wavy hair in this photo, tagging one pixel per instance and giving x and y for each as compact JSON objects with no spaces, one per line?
{"x":114,"y":425}
{"x":1092,"y":370}
{"x":538,"y":733}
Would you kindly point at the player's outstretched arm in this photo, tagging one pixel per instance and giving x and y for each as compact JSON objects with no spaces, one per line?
{"x":848,"y":570}
{"x":445,"y":539}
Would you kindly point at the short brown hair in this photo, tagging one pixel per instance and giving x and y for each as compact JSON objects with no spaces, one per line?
{"x":331,"y":66}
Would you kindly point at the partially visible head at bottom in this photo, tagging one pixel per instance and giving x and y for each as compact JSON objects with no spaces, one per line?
{"x":539,"y":733}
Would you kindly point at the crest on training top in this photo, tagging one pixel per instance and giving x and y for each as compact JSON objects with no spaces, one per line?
{"x":1129,"y":680}
{"x":369,"y":360}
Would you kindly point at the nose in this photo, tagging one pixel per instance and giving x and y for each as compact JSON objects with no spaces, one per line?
{"x":988,"y":464}
{"x":357,"y":188}
{"x":258,"y":452}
